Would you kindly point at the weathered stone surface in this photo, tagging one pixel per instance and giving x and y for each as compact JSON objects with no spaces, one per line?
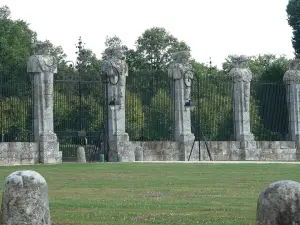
{"x":157,"y":150}
{"x":25,"y":199}
{"x":139,"y":153}
{"x":220,"y":151}
{"x":279,"y":204}
{"x":49,"y":152}
{"x":115,"y":70}
{"x":180,"y":70}
{"x":241,"y":98}
{"x":43,"y":66}
{"x":292,"y":80}
{"x":17,"y":153}
{"x":81,"y":155}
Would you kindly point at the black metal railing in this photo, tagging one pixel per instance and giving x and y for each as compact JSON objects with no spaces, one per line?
{"x":212,"y":117}
{"x":269,"y":112}
{"x":149,"y":108}
{"x":79,"y":113}
{"x":15,"y":105}
{"x":80,"y":108}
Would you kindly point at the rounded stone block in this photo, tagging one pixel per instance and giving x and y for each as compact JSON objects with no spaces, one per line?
{"x":25,"y":199}
{"x":81,"y":155}
{"x":279,"y":204}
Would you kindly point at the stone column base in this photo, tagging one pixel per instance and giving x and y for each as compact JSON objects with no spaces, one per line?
{"x":249,"y":151}
{"x":120,"y":149}
{"x":186,"y":142}
{"x":49,"y":152}
{"x":49,"y":149}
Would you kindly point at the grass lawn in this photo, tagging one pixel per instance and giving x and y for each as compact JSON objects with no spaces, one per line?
{"x":133,"y":193}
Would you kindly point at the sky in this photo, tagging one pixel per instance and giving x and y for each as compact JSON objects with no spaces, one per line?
{"x":212,"y":28}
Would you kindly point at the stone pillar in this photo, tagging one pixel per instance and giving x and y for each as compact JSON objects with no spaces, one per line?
{"x":292,"y":81}
{"x":180,"y":71}
{"x":115,"y":70}
{"x":25,"y":199}
{"x":242,"y":76}
{"x":43,"y":66}
{"x":241,"y":98}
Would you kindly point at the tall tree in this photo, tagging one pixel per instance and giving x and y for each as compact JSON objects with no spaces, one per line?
{"x":16,"y":38}
{"x":293,"y":13}
{"x":5,"y":12}
{"x":153,"y":48}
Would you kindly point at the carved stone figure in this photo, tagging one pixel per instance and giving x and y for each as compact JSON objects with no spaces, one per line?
{"x":42,"y":65}
{"x":240,"y":71}
{"x":114,"y":66}
{"x":242,"y":76}
{"x":42,"y":57}
{"x":293,"y":74}
{"x":180,"y":68}
{"x":292,"y":80}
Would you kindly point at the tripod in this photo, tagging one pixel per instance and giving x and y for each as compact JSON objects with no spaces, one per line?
{"x":208,"y":152}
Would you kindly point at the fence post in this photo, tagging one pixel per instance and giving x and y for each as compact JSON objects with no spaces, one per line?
{"x":43,"y":66}
{"x":115,"y":71}
{"x":180,"y":70}
{"x":241,"y":98}
{"x":292,"y":81}
{"x":242,"y":76}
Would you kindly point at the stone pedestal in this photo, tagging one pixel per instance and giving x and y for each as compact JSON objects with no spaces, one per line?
{"x":81,"y":155}
{"x":241,"y":98}
{"x":278,"y":204}
{"x":25,"y":199}
{"x":180,"y":70}
{"x":115,"y":70}
{"x":292,"y":81}
{"x":42,"y":66}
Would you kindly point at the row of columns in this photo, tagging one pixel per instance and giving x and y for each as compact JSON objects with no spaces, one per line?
{"x":43,"y":67}
{"x":242,"y":76}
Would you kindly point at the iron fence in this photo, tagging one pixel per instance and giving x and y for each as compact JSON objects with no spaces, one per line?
{"x":79,"y":114}
{"x":269,"y":111}
{"x":15,"y":105}
{"x":80,"y":109}
{"x":212,"y":116}
{"x":149,"y":107}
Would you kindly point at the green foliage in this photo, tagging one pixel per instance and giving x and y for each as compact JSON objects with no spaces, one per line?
{"x":16,"y":38}
{"x":134,"y":116}
{"x":256,"y":125}
{"x":293,"y":13}
{"x":74,"y":113}
{"x":265,"y":68}
{"x":212,"y":116}
{"x":154,"y":46}
{"x":15,"y":122}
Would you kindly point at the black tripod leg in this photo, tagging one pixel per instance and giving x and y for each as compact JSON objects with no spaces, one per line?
{"x":192,"y":149}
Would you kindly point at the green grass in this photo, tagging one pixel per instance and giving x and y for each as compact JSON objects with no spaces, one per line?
{"x":132,"y":193}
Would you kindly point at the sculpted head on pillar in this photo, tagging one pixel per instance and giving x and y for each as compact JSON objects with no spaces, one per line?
{"x":293,"y":74}
{"x":238,"y":61}
{"x":41,"y":61}
{"x":240,"y":71}
{"x":114,"y":63}
{"x":180,"y":67}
